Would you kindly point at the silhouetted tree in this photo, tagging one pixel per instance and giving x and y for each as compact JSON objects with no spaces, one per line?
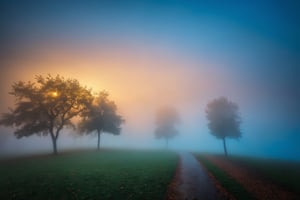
{"x":101,"y":116}
{"x":224,"y":119}
{"x":166,"y":119}
{"x":46,"y":106}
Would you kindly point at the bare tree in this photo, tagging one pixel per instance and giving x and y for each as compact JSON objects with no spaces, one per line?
{"x":166,"y":119}
{"x":101,"y":116}
{"x":224,"y":119}
{"x":46,"y":106}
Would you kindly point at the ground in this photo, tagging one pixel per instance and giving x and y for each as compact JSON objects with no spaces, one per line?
{"x":129,"y":174}
{"x":89,"y":175}
{"x":248,"y":178}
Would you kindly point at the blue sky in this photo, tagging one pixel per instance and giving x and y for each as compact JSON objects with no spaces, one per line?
{"x":245,"y":50}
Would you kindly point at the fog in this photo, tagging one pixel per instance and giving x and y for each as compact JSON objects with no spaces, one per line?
{"x":150,"y":54}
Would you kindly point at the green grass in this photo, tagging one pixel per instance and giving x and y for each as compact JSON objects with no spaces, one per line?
{"x":89,"y":175}
{"x":230,"y":184}
{"x":285,"y":173}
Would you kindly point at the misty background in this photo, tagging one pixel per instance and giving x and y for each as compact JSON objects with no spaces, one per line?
{"x":148,"y":54}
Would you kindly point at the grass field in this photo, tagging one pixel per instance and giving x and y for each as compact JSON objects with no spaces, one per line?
{"x":108,"y":174}
{"x":231,"y":185}
{"x":284,"y":173}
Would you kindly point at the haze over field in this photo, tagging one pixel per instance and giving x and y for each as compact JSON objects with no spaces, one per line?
{"x":148,"y":54}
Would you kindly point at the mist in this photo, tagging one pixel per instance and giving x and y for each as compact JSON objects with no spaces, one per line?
{"x":151,"y":54}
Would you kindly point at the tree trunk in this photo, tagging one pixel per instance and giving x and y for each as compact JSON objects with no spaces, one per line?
{"x":54,"y":145}
{"x":98,"y":146}
{"x":225,"y":149}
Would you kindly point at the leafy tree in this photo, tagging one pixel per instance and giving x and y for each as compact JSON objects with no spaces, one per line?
{"x":224,"y":119}
{"x":46,"y":106}
{"x":101,"y":116}
{"x":166,"y":119}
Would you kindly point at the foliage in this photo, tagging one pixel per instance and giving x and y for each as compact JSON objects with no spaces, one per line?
{"x":166,"y":119}
{"x":46,"y":106}
{"x":224,"y":120}
{"x":101,"y":116}
{"x":89,"y":175}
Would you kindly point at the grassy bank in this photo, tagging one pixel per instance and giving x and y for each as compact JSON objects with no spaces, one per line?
{"x":284,"y":173}
{"x":227,"y":182}
{"x":89,"y":175}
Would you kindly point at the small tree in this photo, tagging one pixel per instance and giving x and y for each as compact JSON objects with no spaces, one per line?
{"x":166,"y":119}
{"x":46,"y":106}
{"x":224,"y":119}
{"x":101,"y":116}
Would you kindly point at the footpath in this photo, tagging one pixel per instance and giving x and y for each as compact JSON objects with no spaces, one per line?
{"x":191,"y":181}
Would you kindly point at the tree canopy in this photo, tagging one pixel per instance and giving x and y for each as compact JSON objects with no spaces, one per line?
{"x":101,"y":116}
{"x":46,"y":106}
{"x":166,"y":120}
{"x":224,"y":119}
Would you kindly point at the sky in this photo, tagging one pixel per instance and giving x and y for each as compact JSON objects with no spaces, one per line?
{"x":148,"y":54}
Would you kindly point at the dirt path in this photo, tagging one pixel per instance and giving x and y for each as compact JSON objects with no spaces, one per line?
{"x":191,"y":181}
{"x":259,"y":187}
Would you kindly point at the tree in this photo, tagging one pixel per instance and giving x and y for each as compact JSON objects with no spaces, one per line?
{"x":46,"y":106}
{"x":101,"y":116}
{"x":224,"y":119}
{"x":166,"y":119}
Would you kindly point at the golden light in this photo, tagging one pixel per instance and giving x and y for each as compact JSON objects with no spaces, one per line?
{"x":54,"y":94}
{"x":153,"y":78}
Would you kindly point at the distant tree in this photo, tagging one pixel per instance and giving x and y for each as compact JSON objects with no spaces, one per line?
{"x":46,"y":106}
{"x":166,"y":119}
{"x":101,"y":116}
{"x":224,"y":119}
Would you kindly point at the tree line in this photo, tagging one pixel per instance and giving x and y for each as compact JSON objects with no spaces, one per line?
{"x":51,"y":103}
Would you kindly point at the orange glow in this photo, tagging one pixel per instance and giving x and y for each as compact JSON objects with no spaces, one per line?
{"x":139,"y":81}
{"x":54,"y":94}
